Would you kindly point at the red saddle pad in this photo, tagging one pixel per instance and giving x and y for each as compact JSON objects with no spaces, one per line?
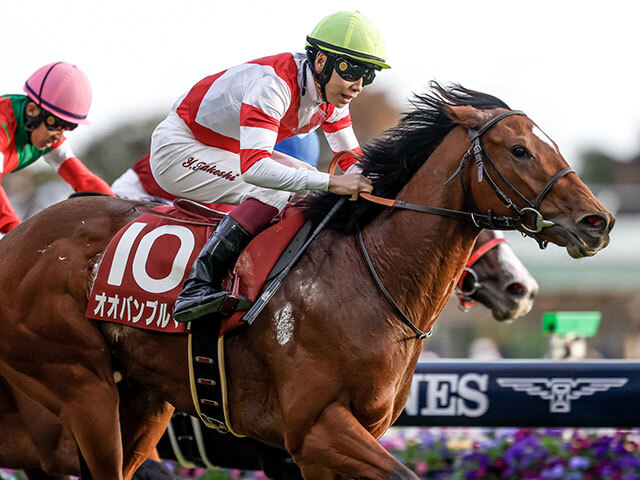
{"x":145,"y":264}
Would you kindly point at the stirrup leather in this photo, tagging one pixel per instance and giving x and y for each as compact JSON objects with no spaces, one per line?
{"x":201,"y":293}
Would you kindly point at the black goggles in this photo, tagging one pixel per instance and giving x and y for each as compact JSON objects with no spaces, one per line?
{"x":352,"y":72}
{"x":54,"y":123}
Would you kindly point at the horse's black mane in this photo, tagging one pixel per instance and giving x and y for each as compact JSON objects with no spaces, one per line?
{"x":391,"y":160}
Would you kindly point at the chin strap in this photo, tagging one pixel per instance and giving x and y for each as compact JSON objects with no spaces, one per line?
{"x":305,"y":65}
{"x":30,"y":122}
{"x":303,"y":90}
{"x":321,"y":77}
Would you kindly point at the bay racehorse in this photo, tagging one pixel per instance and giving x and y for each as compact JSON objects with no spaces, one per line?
{"x":357,"y":303}
{"x":494,"y":277}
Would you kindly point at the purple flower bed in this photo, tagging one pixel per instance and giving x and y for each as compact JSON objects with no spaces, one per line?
{"x":519,"y":454}
{"x":512,"y":454}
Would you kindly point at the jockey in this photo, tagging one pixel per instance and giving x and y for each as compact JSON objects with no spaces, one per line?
{"x":33,"y":125}
{"x":216,"y":145}
{"x":137,"y":183}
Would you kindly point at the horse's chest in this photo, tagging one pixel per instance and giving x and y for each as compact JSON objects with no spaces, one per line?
{"x":376,"y":410}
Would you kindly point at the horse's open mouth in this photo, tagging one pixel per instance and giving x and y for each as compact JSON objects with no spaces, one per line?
{"x":580,"y":251}
{"x":577,"y":247}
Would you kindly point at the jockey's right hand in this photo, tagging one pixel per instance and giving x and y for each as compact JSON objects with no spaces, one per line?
{"x":350,"y":184}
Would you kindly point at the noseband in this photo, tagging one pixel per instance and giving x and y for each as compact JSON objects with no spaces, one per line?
{"x":464,"y":296}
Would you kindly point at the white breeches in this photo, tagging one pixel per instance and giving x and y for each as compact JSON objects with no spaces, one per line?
{"x":187,"y":168}
{"x":129,"y":186}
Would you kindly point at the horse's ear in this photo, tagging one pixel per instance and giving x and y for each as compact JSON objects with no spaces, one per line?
{"x":467,"y":116}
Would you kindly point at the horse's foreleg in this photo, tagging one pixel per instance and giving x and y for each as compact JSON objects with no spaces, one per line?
{"x":144,"y":418}
{"x":337,"y":442}
{"x":94,"y":420}
{"x":57,"y":450}
{"x":17,"y":449}
{"x":86,"y":402}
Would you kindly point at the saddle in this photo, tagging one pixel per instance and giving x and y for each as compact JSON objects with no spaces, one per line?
{"x":142,"y":269}
{"x":145,"y":264}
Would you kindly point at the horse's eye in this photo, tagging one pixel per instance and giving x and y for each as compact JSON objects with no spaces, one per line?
{"x":520,"y":152}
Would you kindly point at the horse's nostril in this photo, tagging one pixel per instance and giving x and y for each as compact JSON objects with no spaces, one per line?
{"x":594,"y":222}
{"x":516,"y":289}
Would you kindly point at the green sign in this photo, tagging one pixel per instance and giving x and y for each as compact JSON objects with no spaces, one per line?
{"x":584,"y":324}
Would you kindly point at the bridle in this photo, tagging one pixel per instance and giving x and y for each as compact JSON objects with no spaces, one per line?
{"x":527,"y":219}
{"x":464,"y":296}
{"x":520,"y":214}
{"x":518,"y":221}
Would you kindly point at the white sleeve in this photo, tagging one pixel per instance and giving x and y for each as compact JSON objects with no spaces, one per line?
{"x":56,"y":157}
{"x":268,"y":173}
{"x":355,"y":168}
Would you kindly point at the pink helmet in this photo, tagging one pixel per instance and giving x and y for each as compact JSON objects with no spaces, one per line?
{"x":62,"y":89}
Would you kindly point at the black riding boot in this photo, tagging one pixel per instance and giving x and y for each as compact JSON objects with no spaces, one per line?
{"x":201,"y":293}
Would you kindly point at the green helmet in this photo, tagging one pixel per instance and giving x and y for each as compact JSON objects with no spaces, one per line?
{"x":350,"y":34}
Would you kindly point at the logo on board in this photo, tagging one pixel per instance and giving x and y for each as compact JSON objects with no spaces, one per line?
{"x":561,"y":391}
{"x":466,"y":395}
{"x":448,"y":394}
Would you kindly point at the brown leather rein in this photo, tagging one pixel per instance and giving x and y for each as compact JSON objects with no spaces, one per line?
{"x":527,"y":219}
{"x":493,"y":222}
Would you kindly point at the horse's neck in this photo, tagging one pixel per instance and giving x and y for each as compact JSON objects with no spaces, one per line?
{"x":418,"y":255}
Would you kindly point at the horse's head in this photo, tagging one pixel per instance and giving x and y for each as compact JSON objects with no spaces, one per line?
{"x":495,"y":277}
{"x":517,"y":162}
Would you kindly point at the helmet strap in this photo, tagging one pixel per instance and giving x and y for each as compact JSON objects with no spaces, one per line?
{"x":31,"y":122}
{"x":324,"y":75}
